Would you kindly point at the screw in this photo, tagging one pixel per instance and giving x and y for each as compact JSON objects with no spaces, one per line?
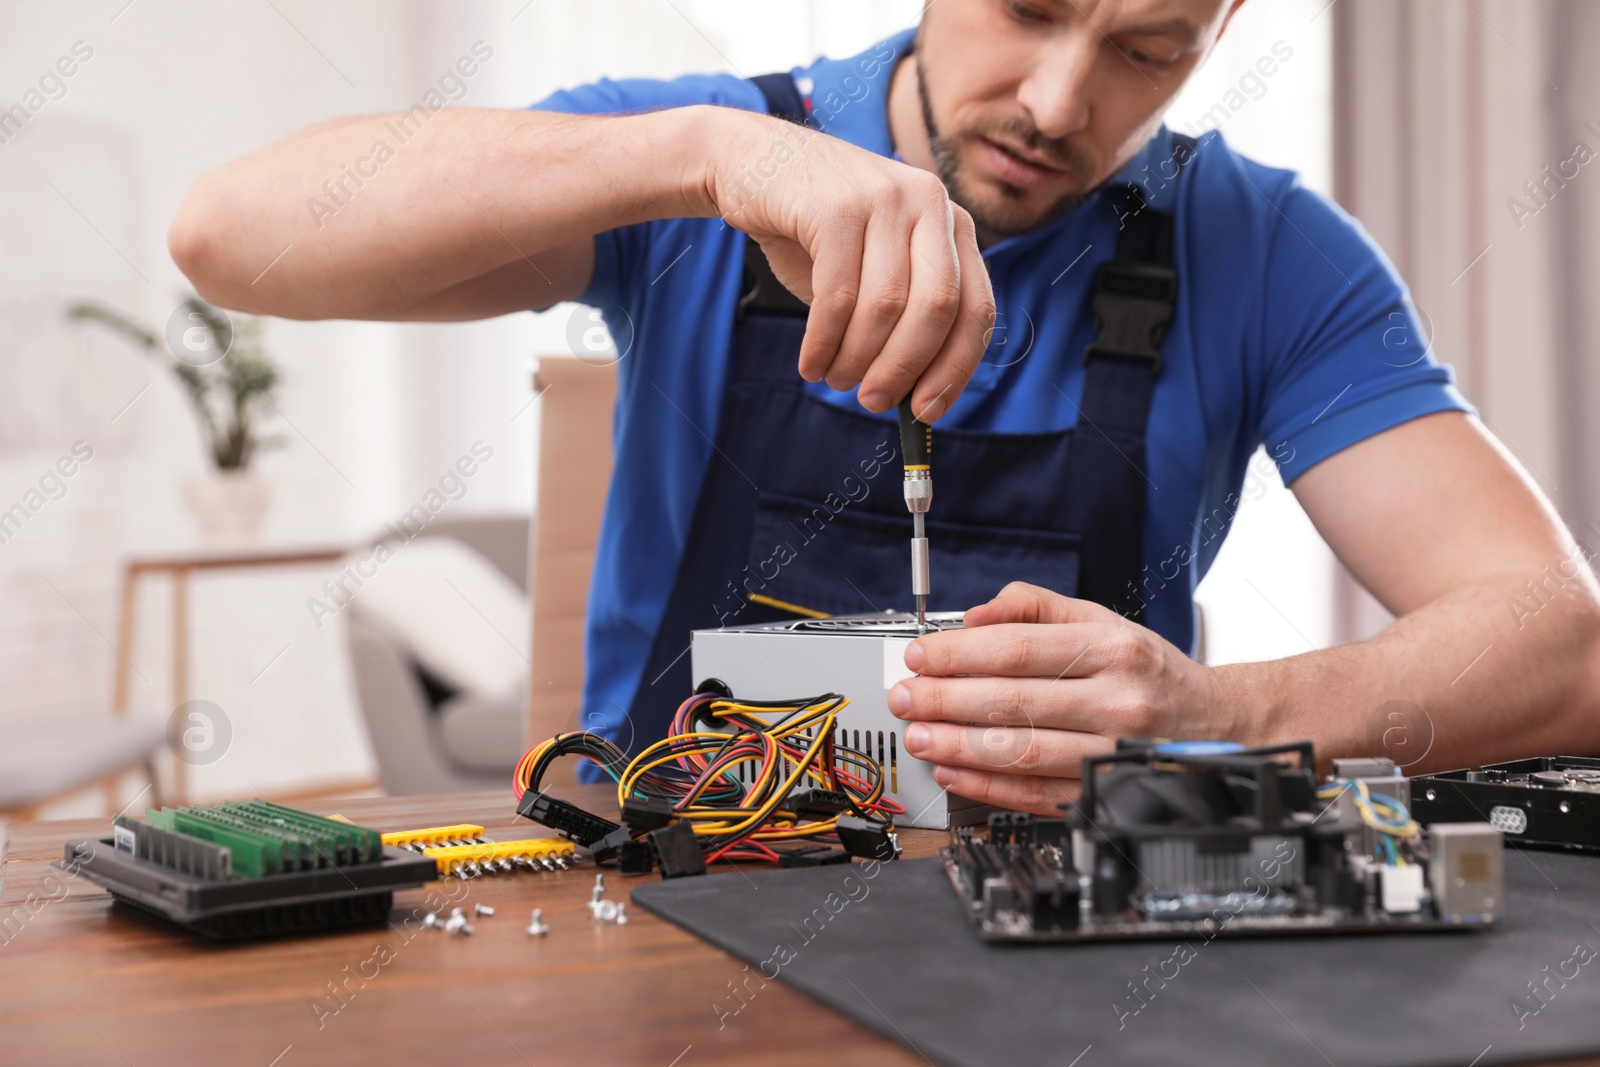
{"x":458,"y":924}
{"x":483,"y":909}
{"x":622,"y":915}
{"x":537,"y":928}
{"x":430,"y":921}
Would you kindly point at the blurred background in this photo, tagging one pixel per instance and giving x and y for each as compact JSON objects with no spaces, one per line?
{"x":1459,"y":131}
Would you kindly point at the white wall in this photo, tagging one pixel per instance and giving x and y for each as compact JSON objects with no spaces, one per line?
{"x":1270,"y":591}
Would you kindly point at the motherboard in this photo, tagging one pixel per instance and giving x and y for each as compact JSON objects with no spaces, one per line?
{"x":1201,"y":839}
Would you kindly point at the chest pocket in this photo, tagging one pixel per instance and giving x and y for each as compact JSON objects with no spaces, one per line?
{"x":810,"y":558}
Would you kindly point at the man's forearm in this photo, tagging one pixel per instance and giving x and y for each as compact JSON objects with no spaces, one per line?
{"x":358,"y":220}
{"x":1499,"y":670}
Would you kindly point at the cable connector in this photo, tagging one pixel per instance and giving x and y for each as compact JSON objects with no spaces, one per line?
{"x":569,"y":819}
{"x":818,"y":803}
{"x":644,"y":814}
{"x":867,"y":839}
{"x":636,"y":857}
{"x":811,"y":856}
{"x":677,"y":850}
{"x":605,"y":850}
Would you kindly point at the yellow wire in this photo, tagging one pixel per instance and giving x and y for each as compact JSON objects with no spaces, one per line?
{"x":718,"y":820}
{"x":1364,"y":807}
{"x":710,"y":820}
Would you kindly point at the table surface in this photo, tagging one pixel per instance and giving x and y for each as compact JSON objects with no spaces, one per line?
{"x":84,"y":983}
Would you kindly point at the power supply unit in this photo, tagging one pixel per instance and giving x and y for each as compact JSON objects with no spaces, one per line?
{"x":858,"y":656}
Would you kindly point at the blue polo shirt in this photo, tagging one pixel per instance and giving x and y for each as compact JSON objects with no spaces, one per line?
{"x":1292,"y":331}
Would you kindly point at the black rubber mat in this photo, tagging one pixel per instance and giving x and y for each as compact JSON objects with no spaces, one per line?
{"x":893,"y":952}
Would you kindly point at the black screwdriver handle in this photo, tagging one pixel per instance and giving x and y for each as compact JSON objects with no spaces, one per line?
{"x":916,"y":439}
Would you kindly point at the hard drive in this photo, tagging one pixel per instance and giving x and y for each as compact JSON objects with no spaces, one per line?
{"x":1544,"y":802}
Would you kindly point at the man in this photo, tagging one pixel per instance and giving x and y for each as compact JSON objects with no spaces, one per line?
{"x":1164,"y":308}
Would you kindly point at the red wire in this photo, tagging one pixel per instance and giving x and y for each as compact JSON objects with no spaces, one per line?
{"x":755,"y":741}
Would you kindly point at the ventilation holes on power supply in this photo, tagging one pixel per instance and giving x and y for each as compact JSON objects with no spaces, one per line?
{"x":894,"y":765}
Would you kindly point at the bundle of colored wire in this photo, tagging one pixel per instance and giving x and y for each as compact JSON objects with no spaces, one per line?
{"x":1384,"y":814}
{"x":608,"y":756}
{"x":729,"y":767}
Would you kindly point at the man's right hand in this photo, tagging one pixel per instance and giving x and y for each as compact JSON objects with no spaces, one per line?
{"x":487,"y":212}
{"x":898,"y":290}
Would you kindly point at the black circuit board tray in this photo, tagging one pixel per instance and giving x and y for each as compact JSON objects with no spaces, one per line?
{"x":293,"y":902}
{"x":1544,"y":802}
{"x":1097,"y":928}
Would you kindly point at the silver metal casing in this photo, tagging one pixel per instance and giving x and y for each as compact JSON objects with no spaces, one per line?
{"x":1468,"y":871}
{"x":860,"y":657}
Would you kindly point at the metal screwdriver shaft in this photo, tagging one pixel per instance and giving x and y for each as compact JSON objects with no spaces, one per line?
{"x":916,"y":453}
{"x":919,"y":569}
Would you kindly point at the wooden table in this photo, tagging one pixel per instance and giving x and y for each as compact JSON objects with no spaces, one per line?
{"x":82,"y":983}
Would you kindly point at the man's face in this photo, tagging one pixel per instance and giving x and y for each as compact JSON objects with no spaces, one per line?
{"x":1032,"y":104}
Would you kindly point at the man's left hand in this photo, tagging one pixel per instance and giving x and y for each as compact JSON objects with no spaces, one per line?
{"x":1007,"y":707}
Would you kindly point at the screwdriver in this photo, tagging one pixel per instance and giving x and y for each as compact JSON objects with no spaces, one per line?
{"x":916,"y":453}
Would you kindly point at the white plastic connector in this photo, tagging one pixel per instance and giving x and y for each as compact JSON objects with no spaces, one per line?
{"x":1402,"y":889}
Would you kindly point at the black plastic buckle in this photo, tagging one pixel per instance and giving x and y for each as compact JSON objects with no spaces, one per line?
{"x":761,"y":292}
{"x":1132,"y":304}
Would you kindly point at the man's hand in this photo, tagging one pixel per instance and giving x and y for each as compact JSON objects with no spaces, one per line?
{"x":898,"y":290}
{"x":1496,"y":651}
{"x":1060,"y":679}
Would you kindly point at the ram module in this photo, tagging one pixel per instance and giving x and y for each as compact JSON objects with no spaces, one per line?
{"x":254,"y":853}
{"x":249,"y":869}
{"x":265,"y":838}
{"x":335,"y":842}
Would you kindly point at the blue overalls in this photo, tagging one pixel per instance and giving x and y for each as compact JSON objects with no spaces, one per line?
{"x":801,"y":512}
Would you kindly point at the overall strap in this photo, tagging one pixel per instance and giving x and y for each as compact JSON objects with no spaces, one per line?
{"x":1132,"y":300}
{"x":783,"y":97}
{"x":766,"y":346}
{"x":706,"y":593}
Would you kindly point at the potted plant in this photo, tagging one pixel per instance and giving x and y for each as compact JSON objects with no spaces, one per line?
{"x":228,"y":378}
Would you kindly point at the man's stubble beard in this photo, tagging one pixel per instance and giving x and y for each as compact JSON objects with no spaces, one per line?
{"x":992,"y":226}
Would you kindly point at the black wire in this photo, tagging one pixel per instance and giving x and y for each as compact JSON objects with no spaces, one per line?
{"x":680,"y":787}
